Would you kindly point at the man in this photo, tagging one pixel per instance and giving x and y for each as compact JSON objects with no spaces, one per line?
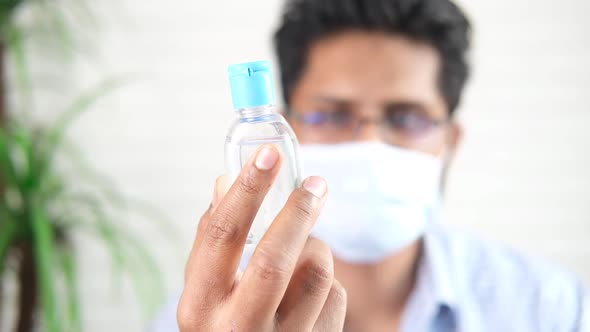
{"x":371,"y":89}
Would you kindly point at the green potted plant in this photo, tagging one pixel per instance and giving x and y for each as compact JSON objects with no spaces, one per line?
{"x":43,"y":206}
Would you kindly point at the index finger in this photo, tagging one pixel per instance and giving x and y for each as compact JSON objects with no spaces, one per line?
{"x":224,"y":236}
{"x":220,"y":189}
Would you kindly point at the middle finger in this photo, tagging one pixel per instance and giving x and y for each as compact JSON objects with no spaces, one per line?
{"x":266,"y":278}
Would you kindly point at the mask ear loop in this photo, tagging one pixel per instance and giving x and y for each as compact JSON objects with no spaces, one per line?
{"x":446,"y":159}
{"x":452,"y":138}
{"x":447,"y":155}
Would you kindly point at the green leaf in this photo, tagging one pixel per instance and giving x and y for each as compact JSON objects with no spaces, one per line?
{"x":60,"y":29}
{"x":44,"y":245}
{"x":51,"y":187}
{"x":153,"y":289}
{"x":142,"y":287}
{"x":7,"y":9}
{"x":82,"y":104}
{"x":96,"y":221}
{"x":18,"y":53}
{"x":106,"y":189}
{"x":69,"y":268}
{"x":7,"y":170}
{"x":91,"y":177}
{"x":126,"y":248}
{"x":58,"y":130}
{"x":23,"y":156}
{"x":82,"y":10}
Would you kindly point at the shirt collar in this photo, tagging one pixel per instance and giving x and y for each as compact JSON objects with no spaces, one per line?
{"x":438,"y":270}
{"x":434,"y":300}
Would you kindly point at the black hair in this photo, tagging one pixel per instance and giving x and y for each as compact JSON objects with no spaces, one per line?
{"x":439,"y":23}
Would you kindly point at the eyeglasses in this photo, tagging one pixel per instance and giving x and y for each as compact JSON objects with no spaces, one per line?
{"x":398,"y":124}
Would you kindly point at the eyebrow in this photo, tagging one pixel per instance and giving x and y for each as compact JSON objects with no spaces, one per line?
{"x":334,"y":100}
{"x":341,"y":102}
{"x":407,"y":104}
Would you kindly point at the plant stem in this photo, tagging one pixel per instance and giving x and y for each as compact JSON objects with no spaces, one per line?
{"x":3,"y":104}
{"x":27,"y":279}
{"x":44,"y":246}
{"x":2,"y":112}
{"x":1,"y":301}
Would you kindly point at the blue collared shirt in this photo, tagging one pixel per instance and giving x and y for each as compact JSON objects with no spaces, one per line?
{"x":467,"y":285}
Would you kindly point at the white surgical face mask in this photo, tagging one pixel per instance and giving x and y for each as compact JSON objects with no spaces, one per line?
{"x":380,"y":197}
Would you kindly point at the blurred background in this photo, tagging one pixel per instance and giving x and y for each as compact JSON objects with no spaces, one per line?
{"x":521,"y":177}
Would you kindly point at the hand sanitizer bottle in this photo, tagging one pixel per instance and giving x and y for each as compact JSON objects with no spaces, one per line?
{"x":258,"y":122}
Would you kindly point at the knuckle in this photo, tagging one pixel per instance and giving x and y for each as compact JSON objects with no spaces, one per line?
{"x":223,"y":229}
{"x":318,"y":269}
{"x":318,"y":278}
{"x":303,"y":207}
{"x":337,"y":296}
{"x":270,"y":269}
{"x":249,"y":185}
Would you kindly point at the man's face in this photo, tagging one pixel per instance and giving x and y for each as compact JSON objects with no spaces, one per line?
{"x":360,"y":86}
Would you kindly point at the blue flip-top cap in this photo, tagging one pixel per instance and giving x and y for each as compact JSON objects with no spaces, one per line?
{"x":251,"y":84}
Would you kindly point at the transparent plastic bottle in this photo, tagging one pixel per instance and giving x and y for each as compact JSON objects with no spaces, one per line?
{"x":258,"y":122}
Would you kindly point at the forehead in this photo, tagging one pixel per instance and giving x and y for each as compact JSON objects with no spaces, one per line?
{"x":371,"y":67}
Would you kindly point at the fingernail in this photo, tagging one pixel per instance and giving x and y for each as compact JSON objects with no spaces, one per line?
{"x":266,"y":158}
{"x":315,"y":185}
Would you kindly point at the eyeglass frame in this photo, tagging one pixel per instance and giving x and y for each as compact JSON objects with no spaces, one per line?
{"x":305,"y":119}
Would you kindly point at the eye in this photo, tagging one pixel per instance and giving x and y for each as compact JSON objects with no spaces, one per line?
{"x":408,"y":118}
{"x":335,"y":118}
{"x":317,"y":118}
{"x":399,"y":116}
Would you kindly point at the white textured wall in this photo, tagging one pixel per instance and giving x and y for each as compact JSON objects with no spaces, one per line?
{"x":522,"y":175}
